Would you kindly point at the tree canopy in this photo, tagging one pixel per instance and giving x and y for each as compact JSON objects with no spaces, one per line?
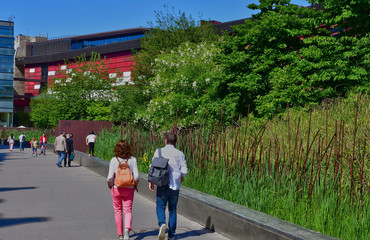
{"x":285,"y":54}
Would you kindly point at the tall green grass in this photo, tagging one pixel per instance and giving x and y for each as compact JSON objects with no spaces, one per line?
{"x":310,"y":168}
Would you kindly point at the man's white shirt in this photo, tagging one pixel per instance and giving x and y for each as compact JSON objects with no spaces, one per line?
{"x":177,"y":165}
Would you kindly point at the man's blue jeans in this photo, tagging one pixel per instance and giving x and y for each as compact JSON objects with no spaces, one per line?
{"x":21,"y":146}
{"x":61,"y":156}
{"x":166,"y":195}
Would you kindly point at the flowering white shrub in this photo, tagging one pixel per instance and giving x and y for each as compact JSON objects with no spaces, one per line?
{"x":181,"y":80}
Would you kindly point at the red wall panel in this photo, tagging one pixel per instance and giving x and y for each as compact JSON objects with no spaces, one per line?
{"x":121,"y":61}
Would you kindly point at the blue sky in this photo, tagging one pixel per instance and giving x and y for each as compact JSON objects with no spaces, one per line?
{"x":77,"y":17}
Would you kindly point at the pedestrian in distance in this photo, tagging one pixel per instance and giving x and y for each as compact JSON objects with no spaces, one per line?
{"x":60,"y":147}
{"x":11,"y":142}
{"x":169,"y":194}
{"x":122,"y":189}
{"x":43,"y":143}
{"x":34,"y":144}
{"x":70,"y":149}
{"x":90,"y":141}
{"x":22,"y":139}
{"x":42,"y":150}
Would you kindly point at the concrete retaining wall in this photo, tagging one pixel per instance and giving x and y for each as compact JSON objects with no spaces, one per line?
{"x":229,"y":219}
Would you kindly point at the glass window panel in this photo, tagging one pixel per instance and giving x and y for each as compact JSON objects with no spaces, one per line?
{"x":6,"y":64}
{"x":6,"y":58}
{"x":6,"y":83}
{"x":6,"y":89}
{"x":6,"y":99}
{"x":6,"y":40}
{"x":6,"y":51}
{"x":7,"y":32}
{"x":6,"y":67}
{"x":6,"y":45}
{"x":6,"y":70}
{"x":6,"y":76}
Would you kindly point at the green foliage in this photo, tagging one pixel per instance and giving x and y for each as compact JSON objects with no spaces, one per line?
{"x":98,"y":111}
{"x":107,"y":140}
{"x":183,"y":83}
{"x":167,"y":33}
{"x":82,"y":91}
{"x":46,"y":110}
{"x":282,"y":56}
{"x":349,"y":17}
{"x":129,"y":101}
{"x":81,"y":86}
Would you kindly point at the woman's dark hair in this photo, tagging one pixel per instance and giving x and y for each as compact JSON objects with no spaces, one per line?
{"x":122,"y":149}
{"x":92,"y":132}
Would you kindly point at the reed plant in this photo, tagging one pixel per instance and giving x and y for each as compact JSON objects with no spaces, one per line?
{"x":307,"y":167}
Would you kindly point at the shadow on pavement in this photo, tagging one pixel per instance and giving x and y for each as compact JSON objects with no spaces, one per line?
{"x":192,"y":233}
{"x":143,"y":235}
{"x":2,"y":156}
{"x":15,"y":188}
{"x":6,"y":222}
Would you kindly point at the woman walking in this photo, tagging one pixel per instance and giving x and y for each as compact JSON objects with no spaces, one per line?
{"x":90,"y":141}
{"x":123,"y":157}
{"x":43,"y":143}
{"x":11,"y":142}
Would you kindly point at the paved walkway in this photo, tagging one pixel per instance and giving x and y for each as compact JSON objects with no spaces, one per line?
{"x":39,"y":201}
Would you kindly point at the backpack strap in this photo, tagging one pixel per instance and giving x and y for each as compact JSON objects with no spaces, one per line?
{"x":160,"y":152}
{"x":125,"y":161}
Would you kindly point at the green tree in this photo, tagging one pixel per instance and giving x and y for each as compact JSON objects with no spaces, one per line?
{"x":45,"y":111}
{"x":282,"y":56}
{"x":183,"y":84}
{"x":129,"y":100}
{"x":350,"y":17}
{"x":84,"y":89}
{"x":168,"y":32}
{"x":262,"y":46}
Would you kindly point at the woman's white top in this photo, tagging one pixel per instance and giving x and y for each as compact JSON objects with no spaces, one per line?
{"x":113,"y":167}
{"x":91,"y":138}
{"x":10,"y":140}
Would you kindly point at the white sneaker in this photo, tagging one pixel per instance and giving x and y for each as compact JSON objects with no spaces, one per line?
{"x":162,"y":232}
{"x":126,"y":234}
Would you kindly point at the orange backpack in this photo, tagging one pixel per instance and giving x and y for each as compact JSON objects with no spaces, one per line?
{"x":124,"y":176}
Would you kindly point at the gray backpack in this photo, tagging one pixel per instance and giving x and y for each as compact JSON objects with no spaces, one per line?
{"x":159,"y":173}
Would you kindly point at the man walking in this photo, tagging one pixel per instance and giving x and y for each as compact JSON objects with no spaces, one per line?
{"x":22,"y":139}
{"x":169,"y":193}
{"x":60,"y":147}
{"x":70,"y":150}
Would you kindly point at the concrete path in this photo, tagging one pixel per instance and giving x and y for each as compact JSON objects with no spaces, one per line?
{"x":39,"y":201}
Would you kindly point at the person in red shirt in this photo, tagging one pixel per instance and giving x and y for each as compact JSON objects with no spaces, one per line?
{"x":43,"y":141}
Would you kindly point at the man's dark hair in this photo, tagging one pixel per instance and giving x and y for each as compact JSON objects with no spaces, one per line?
{"x":171,"y":138}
